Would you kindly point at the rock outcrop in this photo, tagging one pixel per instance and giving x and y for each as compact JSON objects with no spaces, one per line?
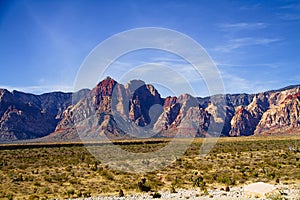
{"x":281,"y":118}
{"x":111,"y":109}
{"x":27,"y":116}
{"x":269,"y":112}
{"x":182,"y":116}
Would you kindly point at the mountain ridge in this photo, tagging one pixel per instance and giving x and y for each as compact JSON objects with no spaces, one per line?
{"x":138,"y":108}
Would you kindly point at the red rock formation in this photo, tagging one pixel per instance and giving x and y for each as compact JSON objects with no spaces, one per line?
{"x":111,"y":109}
{"x":242,"y":123}
{"x":273,"y":111}
{"x":167,"y":118}
{"x":282,"y":118}
{"x":27,"y":116}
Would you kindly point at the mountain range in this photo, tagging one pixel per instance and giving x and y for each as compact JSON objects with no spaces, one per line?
{"x":137,"y":110}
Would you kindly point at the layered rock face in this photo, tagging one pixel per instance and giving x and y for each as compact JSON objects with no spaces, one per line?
{"x":245,"y":119}
{"x":282,"y":117}
{"x":182,"y":116}
{"x":243,"y":123}
{"x":137,"y":110}
{"x":111,"y":109}
{"x":141,"y":99}
{"x":268,"y":113}
{"x":27,"y":116}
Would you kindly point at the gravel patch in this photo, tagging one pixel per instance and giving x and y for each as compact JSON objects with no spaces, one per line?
{"x":290,"y":192}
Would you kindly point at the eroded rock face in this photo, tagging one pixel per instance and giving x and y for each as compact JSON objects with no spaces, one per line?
{"x":195,"y":123}
{"x":184,"y":117}
{"x":27,"y":116}
{"x":283,"y":117}
{"x":142,"y":98}
{"x":170,"y":113}
{"x":246,"y":118}
{"x":112,"y":109}
{"x":242,"y":123}
{"x":269,"y":112}
{"x":91,"y":115}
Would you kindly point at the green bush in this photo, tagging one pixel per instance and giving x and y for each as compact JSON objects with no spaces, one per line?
{"x":143,"y":187}
{"x":9,"y":197}
{"x":33,"y":197}
{"x":156,"y":195}
{"x":121,"y":193}
{"x":199,"y":182}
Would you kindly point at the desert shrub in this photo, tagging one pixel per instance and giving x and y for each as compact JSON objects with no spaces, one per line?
{"x":174,"y":184}
{"x":156,"y":195}
{"x":70,"y":192}
{"x":28,"y":178}
{"x":226,"y":180}
{"x":95,"y":167}
{"x":36,"y":184}
{"x":86,"y":194}
{"x":18,"y":178}
{"x":69,"y":168}
{"x":143,"y":186}
{"x":199,"y":182}
{"x":9,"y":197}
{"x":121,"y":193}
{"x":172,"y":189}
{"x":74,"y":181}
{"x":33,"y":197}
{"x":79,"y":194}
{"x":106,"y":174}
{"x":46,"y":190}
{"x":276,"y":197}
{"x":254,"y":174}
{"x":271,"y":174}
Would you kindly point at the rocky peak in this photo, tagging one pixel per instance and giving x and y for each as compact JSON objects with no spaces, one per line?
{"x":105,"y":87}
{"x":115,"y":105}
{"x":141,"y":101}
{"x":169,"y":102}
{"x":3,"y":93}
{"x":133,"y":85}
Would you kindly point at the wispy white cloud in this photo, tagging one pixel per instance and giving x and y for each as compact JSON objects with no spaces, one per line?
{"x":295,"y":78}
{"x":291,"y":6}
{"x":39,"y":89}
{"x":251,"y":7}
{"x":167,"y":71}
{"x":290,"y":12}
{"x":274,"y":65}
{"x":289,"y":16}
{"x":154,"y":66}
{"x":242,"y":26}
{"x":236,"y":84}
{"x":243,"y":42}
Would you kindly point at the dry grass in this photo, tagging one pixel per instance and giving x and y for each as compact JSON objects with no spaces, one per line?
{"x":71,"y":171}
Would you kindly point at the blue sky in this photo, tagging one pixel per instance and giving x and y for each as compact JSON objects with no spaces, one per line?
{"x":255,"y":44}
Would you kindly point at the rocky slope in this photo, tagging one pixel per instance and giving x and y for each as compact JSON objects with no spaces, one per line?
{"x":281,"y":117}
{"x":138,"y":110}
{"x":26,"y":116}
{"x":269,"y":112}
